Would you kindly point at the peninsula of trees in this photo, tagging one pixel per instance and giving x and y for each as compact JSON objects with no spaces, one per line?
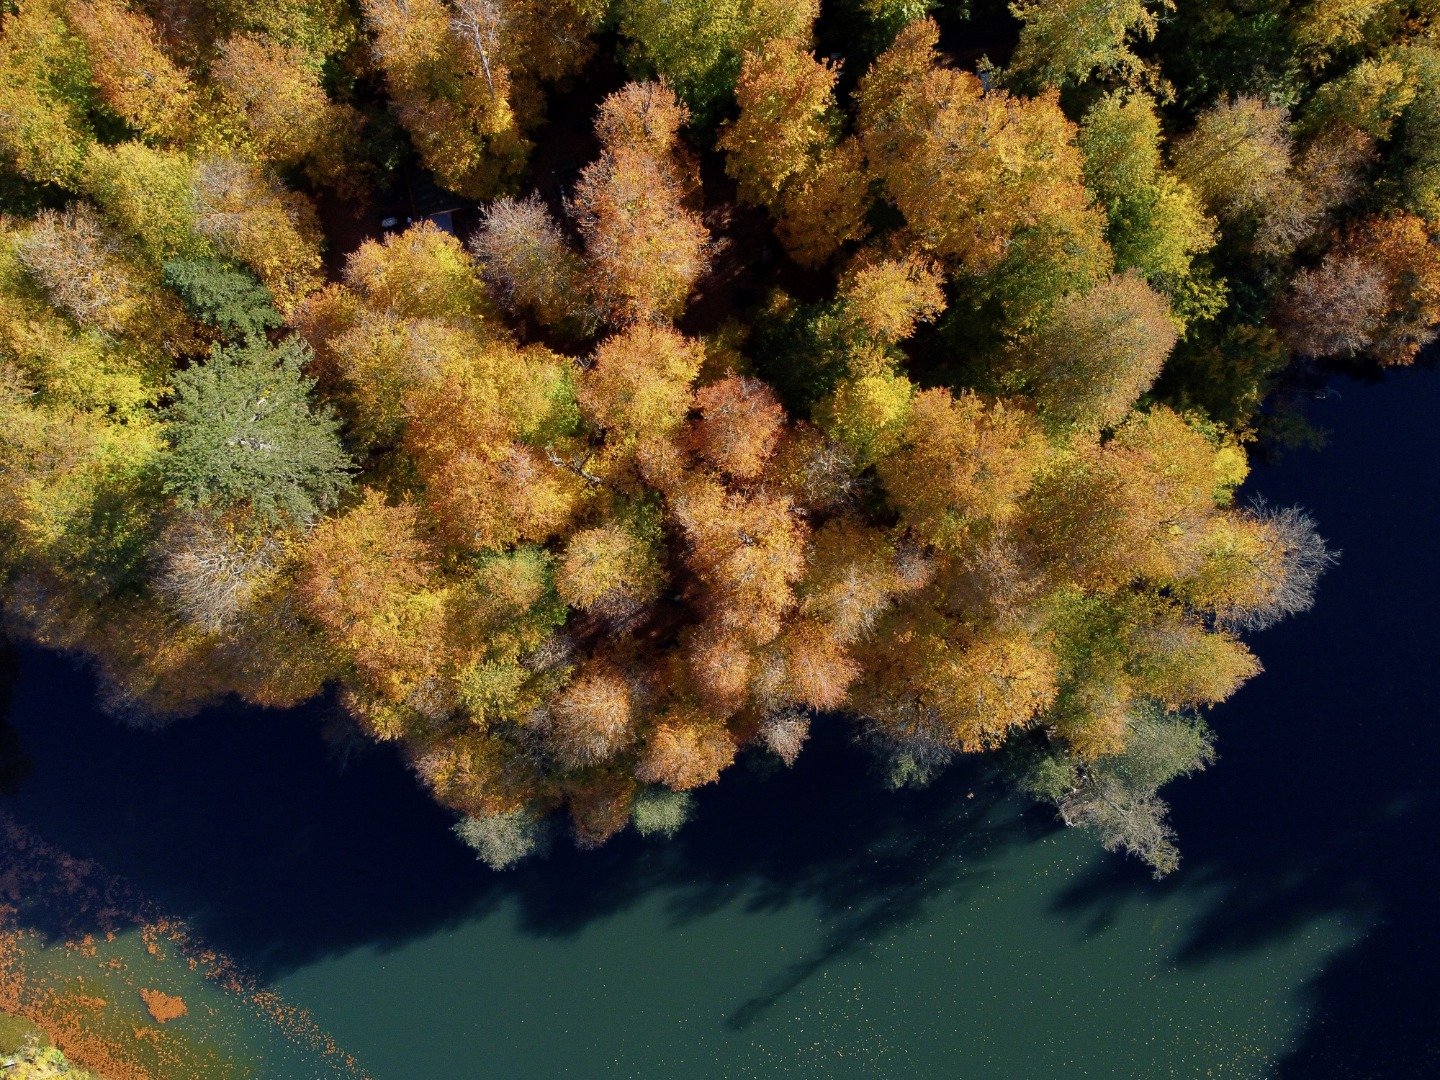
{"x":875,"y":362}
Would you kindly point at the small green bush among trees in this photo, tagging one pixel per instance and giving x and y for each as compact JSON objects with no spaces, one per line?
{"x":845,"y":380}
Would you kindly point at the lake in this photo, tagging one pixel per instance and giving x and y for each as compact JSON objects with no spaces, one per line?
{"x":807,"y":922}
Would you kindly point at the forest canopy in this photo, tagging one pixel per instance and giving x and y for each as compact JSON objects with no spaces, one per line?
{"x":771,"y":364}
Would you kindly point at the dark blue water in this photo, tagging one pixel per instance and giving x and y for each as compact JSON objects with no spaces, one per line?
{"x":809,"y":922}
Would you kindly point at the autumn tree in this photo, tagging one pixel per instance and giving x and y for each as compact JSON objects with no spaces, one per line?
{"x":501,"y":841}
{"x":963,"y":464}
{"x":639,"y":383}
{"x":1410,"y":107}
{"x":600,"y":806}
{"x":466,"y":425}
{"x":178,"y":207}
{"x":867,"y":414}
{"x":1239,"y":160}
{"x":149,"y":195}
{"x":251,"y":218}
{"x":1256,"y":567}
{"x":1334,"y":308}
{"x":421,"y":273}
{"x":787,"y":117}
{"x":697,"y":46}
{"x":453,"y":101}
{"x":466,"y":79}
{"x":321,"y":30}
{"x":363,"y":576}
{"x":1377,"y":292}
{"x":644,"y":247}
{"x":739,"y":425}
{"x":809,"y":351}
{"x":615,"y":564}
{"x":1101,"y":516}
{"x":592,"y":720}
{"x":1279,"y":570}
{"x":1097,"y":352}
{"x":408,"y":306}
{"x":89,"y":272}
{"x":523,"y":251}
{"x":968,"y":168}
{"x":277,"y":92}
{"x":1371,"y":96}
{"x":934,"y":680}
{"x":1324,"y":28}
{"x":965,"y":475}
{"x":133,"y":73}
{"x":785,"y":151}
{"x":213,"y":567}
{"x":785,"y":733}
{"x":659,"y":811}
{"x":747,"y":550}
{"x":685,"y":750}
{"x":853,"y":574}
{"x":885,"y":300}
{"x":1068,"y":42}
{"x":47,"y":94}
{"x":82,"y":505}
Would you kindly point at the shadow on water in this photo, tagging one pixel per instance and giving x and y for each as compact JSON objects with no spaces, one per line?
{"x":241,"y":822}
{"x":1326,"y":798}
{"x":1324,"y":802}
{"x":15,"y":766}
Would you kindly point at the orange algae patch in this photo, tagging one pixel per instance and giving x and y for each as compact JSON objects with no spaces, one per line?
{"x":150,"y":935}
{"x":85,"y":907}
{"x":163,"y":1007}
{"x":70,"y":1021}
{"x":85,"y":946}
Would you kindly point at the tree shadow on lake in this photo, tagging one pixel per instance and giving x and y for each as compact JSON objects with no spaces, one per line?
{"x":241,"y":822}
{"x":14,"y":765}
{"x":1325,"y":802}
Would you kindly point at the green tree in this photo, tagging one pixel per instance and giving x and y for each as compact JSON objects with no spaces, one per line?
{"x":1157,"y":226}
{"x":1115,"y":797}
{"x":502,"y":840}
{"x":245,"y":434}
{"x":659,"y":811}
{"x":223,"y":296}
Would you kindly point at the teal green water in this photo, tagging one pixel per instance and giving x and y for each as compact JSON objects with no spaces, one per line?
{"x":987,"y":980}
{"x":810,"y":923}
